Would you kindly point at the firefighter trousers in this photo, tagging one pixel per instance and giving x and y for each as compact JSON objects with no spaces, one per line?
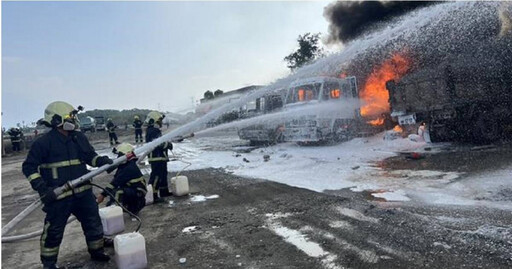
{"x":85,"y":209}
{"x":158,"y":177}
{"x":130,"y":198}
{"x":138,"y":135}
{"x":113,"y":138}
{"x":16,"y":146}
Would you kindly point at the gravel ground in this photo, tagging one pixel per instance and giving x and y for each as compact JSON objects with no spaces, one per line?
{"x":235,"y":222}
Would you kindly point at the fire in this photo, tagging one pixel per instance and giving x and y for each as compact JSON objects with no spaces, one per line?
{"x":398,"y":129}
{"x":378,"y":121}
{"x":374,"y":94}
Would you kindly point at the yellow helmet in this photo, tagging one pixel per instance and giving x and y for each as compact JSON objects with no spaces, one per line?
{"x":124,"y":148}
{"x":136,"y":117}
{"x":56,"y":112}
{"x":155,"y":117}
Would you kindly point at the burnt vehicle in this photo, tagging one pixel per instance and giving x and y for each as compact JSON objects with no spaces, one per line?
{"x":464,"y":99}
{"x":263,"y":133}
{"x":307,"y":127}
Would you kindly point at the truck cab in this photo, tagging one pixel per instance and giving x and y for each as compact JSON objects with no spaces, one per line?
{"x":263,"y":133}
{"x":334,"y":125}
{"x":100,"y":123}
{"x":87,"y":124}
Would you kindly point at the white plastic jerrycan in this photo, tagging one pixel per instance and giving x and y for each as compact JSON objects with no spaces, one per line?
{"x":179,"y":185}
{"x":149,"y":195}
{"x":112,"y":219}
{"x":130,"y":251}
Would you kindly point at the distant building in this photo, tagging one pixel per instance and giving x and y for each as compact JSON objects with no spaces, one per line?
{"x":206,"y":105}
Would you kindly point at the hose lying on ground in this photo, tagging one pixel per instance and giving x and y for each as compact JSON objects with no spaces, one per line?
{"x":88,"y":177}
{"x":14,"y":238}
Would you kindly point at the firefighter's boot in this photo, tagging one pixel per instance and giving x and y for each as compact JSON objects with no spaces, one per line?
{"x":108,"y":242}
{"x":50,"y":266}
{"x":164,"y":193}
{"x":100,"y":256}
{"x":157,"y":199}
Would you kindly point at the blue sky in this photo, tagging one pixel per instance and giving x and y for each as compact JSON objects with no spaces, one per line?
{"x":123,"y":55}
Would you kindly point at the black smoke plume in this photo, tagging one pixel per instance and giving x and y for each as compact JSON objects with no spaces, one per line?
{"x":349,"y":20}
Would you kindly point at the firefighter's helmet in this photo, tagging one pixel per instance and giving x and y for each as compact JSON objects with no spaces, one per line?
{"x":57,"y":112}
{"x":154,"y":117}
{"x":109,"y":119}
{"x":136,"y":117}
{"x":124,"y":148}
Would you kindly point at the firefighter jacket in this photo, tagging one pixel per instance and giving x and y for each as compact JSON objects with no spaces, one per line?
{"x":128,"y":175}
{"x":159,"y":153}
{"x":137,"y":124}
{"x":111,"y":127}
{"x":55,"y":159}
{"x":15,"y":135}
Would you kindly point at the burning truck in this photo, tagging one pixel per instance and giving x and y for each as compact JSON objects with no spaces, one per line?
{"x":464,"y":99}
{"x":321,"y":127}
{"x":263,"y":133}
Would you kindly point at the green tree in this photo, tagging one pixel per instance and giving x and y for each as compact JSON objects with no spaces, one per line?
{"x":208,"y":95}
{"x":218,"y":93}
{"x":308,"y":50}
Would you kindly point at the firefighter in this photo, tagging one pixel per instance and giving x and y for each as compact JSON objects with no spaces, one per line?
{"x":128,"y":185}
{"x":15,"y":135}
{"x":137,"y":124}
{"x":158,"y":158}
{"x":55,"y":158}
{"x":112,"y":137}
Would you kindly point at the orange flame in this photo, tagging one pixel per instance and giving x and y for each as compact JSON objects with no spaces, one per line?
{"x":378,"y":121}
{"x":398,"y":129}
{"x":374,"y":94}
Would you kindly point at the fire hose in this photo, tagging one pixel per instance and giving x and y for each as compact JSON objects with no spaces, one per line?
{"x":85,"y":179}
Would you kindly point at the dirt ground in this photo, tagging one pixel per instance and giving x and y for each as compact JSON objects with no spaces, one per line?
{"x":255,"y":223}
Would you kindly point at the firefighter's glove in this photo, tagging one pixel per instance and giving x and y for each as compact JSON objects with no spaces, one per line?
{"x":48,"y":196}
{"x":169,"y":145}
{"x":104,"y":160}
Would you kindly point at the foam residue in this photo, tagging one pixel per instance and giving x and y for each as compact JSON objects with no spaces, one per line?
{"x":303,"y":243}
{"x":202,"y":198}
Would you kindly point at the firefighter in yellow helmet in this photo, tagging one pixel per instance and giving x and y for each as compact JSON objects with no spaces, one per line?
{"x":137,"y":124}
{"x":158,"y":158}
{"x":55,"y":158}
{"x":128,"y":186}
{"x":112,"y":136}
{"x":16,"y":136}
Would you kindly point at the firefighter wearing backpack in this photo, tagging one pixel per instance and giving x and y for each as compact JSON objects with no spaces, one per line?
{"x":137,"y":124}
{"x":128,"y":186}
{"x":15,"y":135}
{"x":55,"y":158}
{"x":111,"y":128}
{"x":158,"y":158}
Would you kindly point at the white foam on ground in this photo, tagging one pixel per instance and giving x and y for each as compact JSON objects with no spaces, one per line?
{"x":354,"y":214}
{"x":398,"y":195}
{"x":332,"y":167}
{"x":202,"y":198}
{"x":189,"y":229}
{"x":301,"y":241}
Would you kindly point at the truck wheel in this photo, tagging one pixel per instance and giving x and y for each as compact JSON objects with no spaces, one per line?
{"x":486,"y":129}
{"x":438,"y":132}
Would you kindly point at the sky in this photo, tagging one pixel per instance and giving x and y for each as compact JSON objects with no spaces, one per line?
{"x":152,"y":55}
